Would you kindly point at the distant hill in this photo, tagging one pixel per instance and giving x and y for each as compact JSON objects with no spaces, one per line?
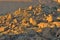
{"x":9,"y":6}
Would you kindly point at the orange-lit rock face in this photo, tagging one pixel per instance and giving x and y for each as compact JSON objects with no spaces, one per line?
{"x":30,"y":8}
{"x":21,"y":19}
{"x":42,"y":25}
{"x":24,"y":22}
{"x":13,"y":26}
{"x":15,"y":20}
{"x":58,"y":1}
{"x":6,"y":32}
{"x":39,"y":30}
{"x":1,"y":29}
{"x":57,"y":24}
{"x":37,"y":10}
{"x":32,"y":21}
{"x":2,"y":19}
{"x":49,"y":18}
{"x":17,"y":12}
{"x":7,"y":23}
{"x":8,"y":16}
{"x":58,"y":18}
{"x":58,"y":10}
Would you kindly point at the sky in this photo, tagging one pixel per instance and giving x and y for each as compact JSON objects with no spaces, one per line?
{"x":17,"y":0}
